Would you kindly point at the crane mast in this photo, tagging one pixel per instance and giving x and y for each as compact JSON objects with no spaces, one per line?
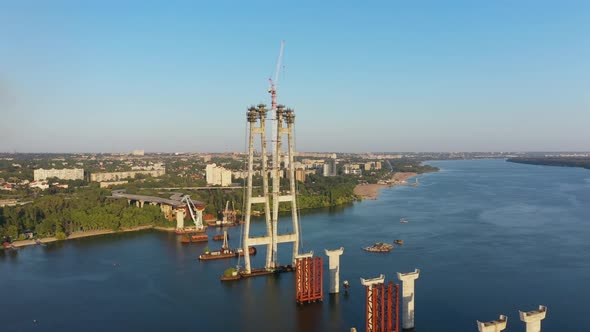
{"x":273,"y":83}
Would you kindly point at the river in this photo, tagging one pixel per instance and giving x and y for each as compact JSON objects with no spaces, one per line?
{"x":490,"y":238}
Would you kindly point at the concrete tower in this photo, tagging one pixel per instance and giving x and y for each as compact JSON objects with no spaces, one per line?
{"x":533,"y":318}
{"x":272,"y":238}
{"x":407,"y":280}
{"x":334,"y":264}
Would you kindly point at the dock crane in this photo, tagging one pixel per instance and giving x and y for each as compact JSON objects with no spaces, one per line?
{"x":196,"y":215}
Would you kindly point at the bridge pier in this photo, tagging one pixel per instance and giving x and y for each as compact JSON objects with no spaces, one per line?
{"x":533,"y":318}
{"x":493,"y":326}
{"x":407,"y":280}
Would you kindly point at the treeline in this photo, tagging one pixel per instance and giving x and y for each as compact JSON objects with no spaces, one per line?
{"x":583,"y":162}
{"x":404,"y":165}
{"x":86,"y":210}
{"x":322,"y":191}
{"x":316,"y":192}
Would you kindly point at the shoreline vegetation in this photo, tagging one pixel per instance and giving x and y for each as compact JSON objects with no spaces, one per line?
{"x":371,"y":190}
{"x":89,"y":211}
{"x":583,"y":162}
{"x":79,"y":235}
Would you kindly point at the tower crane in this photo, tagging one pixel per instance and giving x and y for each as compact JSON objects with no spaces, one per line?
{"x":273,"y":83}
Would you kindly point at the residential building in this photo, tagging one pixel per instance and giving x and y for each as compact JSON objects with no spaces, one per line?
{"x":116,"y":176}
{"x":63,"y":174}
{"x":300,"y":174}
{"x":217,"y":175}
{"x":330,"y":167}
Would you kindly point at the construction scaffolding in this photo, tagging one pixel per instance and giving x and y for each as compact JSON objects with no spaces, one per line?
{"x":382,"y":305}
{"x":309,"y":275}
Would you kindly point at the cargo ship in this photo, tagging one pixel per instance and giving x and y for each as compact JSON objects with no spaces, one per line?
{"x":194,"y":238}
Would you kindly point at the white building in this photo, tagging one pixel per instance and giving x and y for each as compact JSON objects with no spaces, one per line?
{"x":39,"y":184}
{"x":217,"y":175}
{"x":330,"y":167}
{"x":64,"y":174}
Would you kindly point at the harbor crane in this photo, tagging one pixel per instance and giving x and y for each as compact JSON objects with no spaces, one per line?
{"x":196,"y":215}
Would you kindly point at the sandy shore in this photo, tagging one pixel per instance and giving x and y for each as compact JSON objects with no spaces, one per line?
{"x":371,"y":191}
{"x":87,"y":234}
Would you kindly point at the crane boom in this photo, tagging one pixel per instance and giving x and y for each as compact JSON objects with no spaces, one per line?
{"x":273,"y":83}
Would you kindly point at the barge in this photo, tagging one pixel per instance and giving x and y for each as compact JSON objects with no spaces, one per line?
{"x":194,"y":238}
{"x":379,"y":247}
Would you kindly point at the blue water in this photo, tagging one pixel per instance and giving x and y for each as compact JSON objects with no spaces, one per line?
{"x":490,"y":238}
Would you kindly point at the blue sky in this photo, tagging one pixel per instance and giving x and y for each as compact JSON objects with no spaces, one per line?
{"x":112,"y":76}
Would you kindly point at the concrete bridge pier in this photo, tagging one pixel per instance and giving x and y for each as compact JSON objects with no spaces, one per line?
{"x":179,"y":219}
{"x":334,"y":264}
{"x":533,"y":318}
{"x":407,"y":280}
{"x":493,"y":326}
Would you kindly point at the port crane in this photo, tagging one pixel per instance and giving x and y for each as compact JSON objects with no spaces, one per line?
{"x":196,"y":215}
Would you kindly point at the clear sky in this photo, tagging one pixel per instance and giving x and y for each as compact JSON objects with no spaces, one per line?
{"x":170,"y":76}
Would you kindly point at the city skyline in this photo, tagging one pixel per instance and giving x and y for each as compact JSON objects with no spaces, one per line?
{"x":430,"y":77}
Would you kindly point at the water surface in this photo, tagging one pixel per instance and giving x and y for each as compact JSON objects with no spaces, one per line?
{"x":490,"y":238}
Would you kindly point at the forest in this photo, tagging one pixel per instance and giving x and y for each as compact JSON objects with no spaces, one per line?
{"x":88,"y":209}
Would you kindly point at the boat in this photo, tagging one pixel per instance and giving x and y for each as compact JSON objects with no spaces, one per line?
{"x":403,"y":221}
{"x":225,"y":251}
{"x":189,"y":230}
{"x":231,"y":274}
{"x":398,"y":242}
{"x":379,"y":247}
{"x":219,"y":237}
{"x":194,"y":238}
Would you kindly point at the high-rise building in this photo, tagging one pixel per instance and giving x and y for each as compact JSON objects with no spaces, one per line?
{"x":330,"y":167}
{"x":300,"y":174}
{"x":217,"y":175}
{"x":64,"y":174}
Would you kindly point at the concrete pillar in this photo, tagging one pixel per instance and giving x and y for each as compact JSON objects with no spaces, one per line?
{"x":407,"y":280}
{"x":179,"y":219}
{"x":199,"y":222}
{"x":267,"y":216}
{"x":533,"y":318}
{"x":290,"y":119}
{"x":493,"y":326}
{"x":334,"y":264}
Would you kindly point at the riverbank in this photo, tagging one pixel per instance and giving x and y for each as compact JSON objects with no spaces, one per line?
{"x":371,"y":191}
{"x":78,"y":235}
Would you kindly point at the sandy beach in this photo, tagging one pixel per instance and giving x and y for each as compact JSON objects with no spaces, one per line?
{"x":371,"y":191}
{"x":85,"y":234}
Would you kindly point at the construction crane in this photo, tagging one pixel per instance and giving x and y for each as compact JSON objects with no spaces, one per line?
{"x":273,"y":83}
{"x":195,"y":215}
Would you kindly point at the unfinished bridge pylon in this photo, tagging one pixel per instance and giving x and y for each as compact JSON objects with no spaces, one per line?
{"x":284,"y":121}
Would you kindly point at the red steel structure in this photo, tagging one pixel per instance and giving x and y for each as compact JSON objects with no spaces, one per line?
{"x":382,"y":307}
{"x":309,"y":279}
